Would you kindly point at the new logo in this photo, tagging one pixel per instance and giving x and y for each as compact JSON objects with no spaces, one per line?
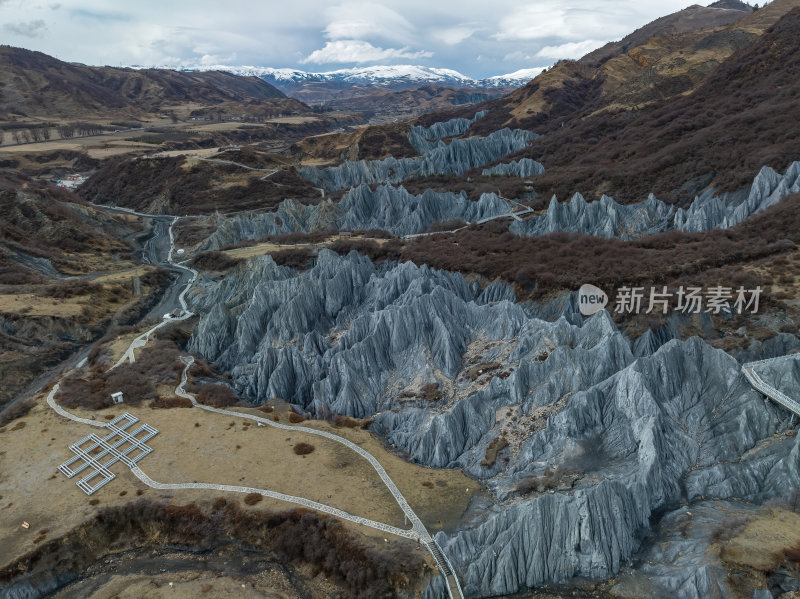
{"x":591,"y":299}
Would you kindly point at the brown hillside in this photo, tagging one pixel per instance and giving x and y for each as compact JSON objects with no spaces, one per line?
{"x":35,"y":84}
{"x":180,"y":185}
{"x":741,"y":118}
{"x":671,"y":56}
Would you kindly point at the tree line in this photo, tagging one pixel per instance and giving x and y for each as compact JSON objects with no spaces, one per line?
{"x":23,"y":135}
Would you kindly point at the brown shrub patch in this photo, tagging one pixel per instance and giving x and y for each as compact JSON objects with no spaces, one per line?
{"x":495,"y":447}
{"x":360,"y":569}
{"x":302,"y":448}
{"x":217,"y":396}
{"x":431,"y":391}
{"x":215,"y":261}
{"x":253,"y":498}
{"x":18,"y":410}
{"x":171,"y":402}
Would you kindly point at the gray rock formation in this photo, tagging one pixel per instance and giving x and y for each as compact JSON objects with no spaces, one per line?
{"x":395,"y":210}
{"x":607,"y":218}
{"x":708,"y":212}
{"x":424,"y":138}
{"x":456,"y":158}
{"x":597,"y":437}
{"x":783,"y":375}
{"x":524,"y":167}
{"x":390,"y":208}
{"x":604,"y":218}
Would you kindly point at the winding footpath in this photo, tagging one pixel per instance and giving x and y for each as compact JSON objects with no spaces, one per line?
{"x":144,"y":338}
{"x":417,"y":532}
{"x":269,"y":171}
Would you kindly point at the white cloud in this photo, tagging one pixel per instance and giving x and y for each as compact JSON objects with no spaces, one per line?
{"x":569,"y":49}
{"x":455,"y":35}
{"x":570,"y":20}
{"x":214,"y":59}
{"x":367,"y":20}
{"x":28,"y":29}
{"x":477,"y":38}
{"x":358,"y":51}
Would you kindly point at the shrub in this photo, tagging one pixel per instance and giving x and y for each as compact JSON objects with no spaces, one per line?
{"x":294,"y":258}
{"x":253,"y":498}
{"x":431,"y":391}
{"x":217,"y":396}
{"x":303,"y":448}
{"x":294,"y":418}
{"x":171,"y":402}
{"x":215,"y":261}
{"x":18,"y":410}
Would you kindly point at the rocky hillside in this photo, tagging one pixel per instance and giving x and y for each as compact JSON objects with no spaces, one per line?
{"x":598,"y":439}
{"x":53,"y":248}
{"x":394,"y":104}
{"x":35,"y":84}
{"x":580,"y":436}
{"x":721,"y":134}
{"x":181,"y":185}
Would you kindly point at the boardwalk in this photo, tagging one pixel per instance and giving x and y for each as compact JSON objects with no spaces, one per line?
{"x":750,"y":371}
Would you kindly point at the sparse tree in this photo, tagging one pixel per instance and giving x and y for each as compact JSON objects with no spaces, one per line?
{"x":46,"y":133}
{"x":66,"y":131}
{"x":2,"y":136}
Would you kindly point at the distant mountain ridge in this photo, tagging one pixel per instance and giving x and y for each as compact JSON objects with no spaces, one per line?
{"x":375,"y":87}
{"x":388,"y":76}
{"x":35,"y":84}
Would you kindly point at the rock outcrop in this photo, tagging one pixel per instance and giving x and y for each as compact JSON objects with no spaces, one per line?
{"x":524,"y":167}
{"x":607,"y":218}
{"x":395,"y":210}
{"x":386,"y":207}
{"x":455,"y":158}
{"x":424,"y":139}
{"x":596,"y":437}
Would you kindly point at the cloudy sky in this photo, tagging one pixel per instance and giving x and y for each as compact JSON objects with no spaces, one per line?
{"x":478,"y":39}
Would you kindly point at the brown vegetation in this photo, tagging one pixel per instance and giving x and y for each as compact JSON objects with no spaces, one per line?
{"x":216,"y":395}
{"x":42,"y":85}
{"x":539,"y":265}
{"x":199,"y":188}
{"x":303,"y":448}
{"x":253,"y":498}
{"x":739,"y":120}
{"x":18,"y":410}
{"x":292,"y":536}
{"x":157,"y":364}
{"x":215,"y":261}
{"x":171,"y":402}
{"x":295,"y":258}
{"x":495,"y":447}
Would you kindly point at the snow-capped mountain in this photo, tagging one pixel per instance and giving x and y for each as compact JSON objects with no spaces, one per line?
{"x":515,"y":79}
{"x":394,"y":76}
